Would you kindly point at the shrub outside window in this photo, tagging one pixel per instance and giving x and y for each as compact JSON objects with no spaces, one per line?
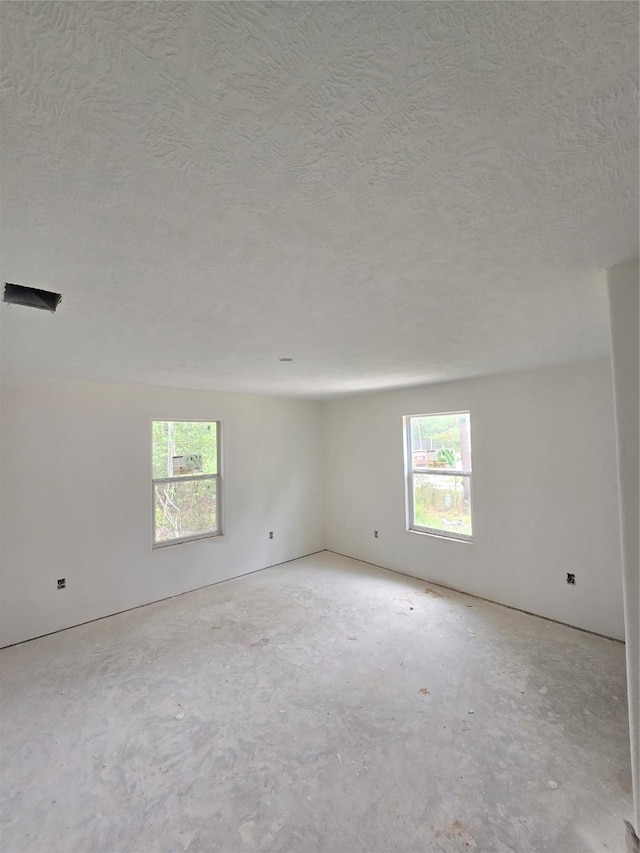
{"x":438,"y":470}
{"x":186,"y":481}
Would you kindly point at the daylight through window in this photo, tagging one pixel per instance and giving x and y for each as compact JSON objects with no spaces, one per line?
{"x":186,"y":480}
{"x":439,"y":474}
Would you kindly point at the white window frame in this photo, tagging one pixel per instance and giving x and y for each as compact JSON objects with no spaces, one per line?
{"x":209,"y":534}
{"x":410,"y":471}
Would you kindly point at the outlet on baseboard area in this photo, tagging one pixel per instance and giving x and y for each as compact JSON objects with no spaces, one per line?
{"x":571,"y":578}
{"x":62,"y":583}
{"x":271,"y":534}
{"x":375,"y":534}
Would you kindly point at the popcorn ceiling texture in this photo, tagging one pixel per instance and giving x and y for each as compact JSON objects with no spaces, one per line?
{"x":390,"y":193}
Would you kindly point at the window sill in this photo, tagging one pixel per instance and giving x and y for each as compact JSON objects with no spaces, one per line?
{"x":207,"y":537}
{"x":451,"y":537}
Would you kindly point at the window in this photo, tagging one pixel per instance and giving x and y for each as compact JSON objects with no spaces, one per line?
{"x":439,"y":474}
{"x":186,"y":480}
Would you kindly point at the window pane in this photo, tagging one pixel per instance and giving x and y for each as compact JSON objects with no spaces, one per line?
{"x":442,"y":502}
{"x":441,"y":441}
{"x":181,"y":448}
{"x":185,"y":508}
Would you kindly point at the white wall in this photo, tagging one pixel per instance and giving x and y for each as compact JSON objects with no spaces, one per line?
{"x":544,"y":491}
{"x":624,"y":306}
{"x":76,"y":497}
{"x":76,"y":494}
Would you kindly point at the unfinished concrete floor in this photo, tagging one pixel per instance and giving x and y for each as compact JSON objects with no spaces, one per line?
{"x":321,"y":705}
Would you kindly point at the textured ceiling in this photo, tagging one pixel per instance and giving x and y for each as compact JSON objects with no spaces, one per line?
{"x":389,"y":193}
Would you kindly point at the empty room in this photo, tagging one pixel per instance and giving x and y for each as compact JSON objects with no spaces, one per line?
{"x":319,"y":427}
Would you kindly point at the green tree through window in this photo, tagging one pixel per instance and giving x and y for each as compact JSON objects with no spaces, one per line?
{"x":439,"y":474}
{"x":186,"y":480}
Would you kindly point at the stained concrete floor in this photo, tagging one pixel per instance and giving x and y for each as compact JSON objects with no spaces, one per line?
{"x":322,"y":705}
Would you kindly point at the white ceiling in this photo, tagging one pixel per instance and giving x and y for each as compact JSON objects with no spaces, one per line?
{"x":389,"y":193}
